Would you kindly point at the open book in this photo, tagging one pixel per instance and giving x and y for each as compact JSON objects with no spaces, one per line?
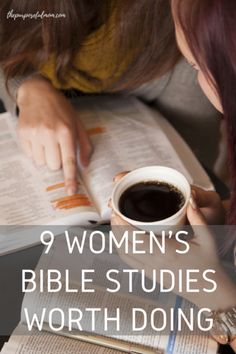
{"x":69,"y":338}
{"x":125,"y":133}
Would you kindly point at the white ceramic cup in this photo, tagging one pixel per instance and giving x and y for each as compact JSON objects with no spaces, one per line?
{"x":160,"y":174}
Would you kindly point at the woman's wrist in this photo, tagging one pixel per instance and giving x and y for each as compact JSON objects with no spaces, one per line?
{"x":28,"y":86}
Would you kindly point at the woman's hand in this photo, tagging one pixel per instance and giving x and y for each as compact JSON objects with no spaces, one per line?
{"x":202,"y":255}
{"x":211,"y":206}
{"x":49,"y":129}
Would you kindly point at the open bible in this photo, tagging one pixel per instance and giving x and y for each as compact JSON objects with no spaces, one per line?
{"x":125,"y":133}
{"x":57,"y":334}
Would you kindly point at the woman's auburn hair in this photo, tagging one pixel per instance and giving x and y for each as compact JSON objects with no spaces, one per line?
{"x":209,"y":27}
{"x":147,"y":25}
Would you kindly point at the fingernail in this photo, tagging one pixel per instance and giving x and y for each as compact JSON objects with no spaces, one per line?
{"x":193,"y":203}
{"x":71,"y":191}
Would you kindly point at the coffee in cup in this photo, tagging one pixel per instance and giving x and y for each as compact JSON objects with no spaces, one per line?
{"x":151,"y":198}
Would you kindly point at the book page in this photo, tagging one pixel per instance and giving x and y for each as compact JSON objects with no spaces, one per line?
{"x":35,"y":196}
{"x":100,"y":299}
{"x":45,"y":342}
{"x":35,"y":302}
{"x":125,"y":133}
{"x":126,"y":136}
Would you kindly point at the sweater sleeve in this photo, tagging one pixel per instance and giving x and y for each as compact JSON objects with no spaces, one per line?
{"x":9,"y":98}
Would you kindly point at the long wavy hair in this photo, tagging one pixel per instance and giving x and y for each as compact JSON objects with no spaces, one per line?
{"x":27,"y":44}
{"x":209,"y":27}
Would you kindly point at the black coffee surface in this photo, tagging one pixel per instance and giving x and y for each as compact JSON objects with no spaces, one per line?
{"x":151,"y":201}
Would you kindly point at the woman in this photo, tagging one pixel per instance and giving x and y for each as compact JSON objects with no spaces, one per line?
{"x":205,"y":32}
{"x":97,"y":46}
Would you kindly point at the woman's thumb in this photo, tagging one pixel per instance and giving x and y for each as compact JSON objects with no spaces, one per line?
{"x":198,"y":223}
{"x":194,"y":214}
